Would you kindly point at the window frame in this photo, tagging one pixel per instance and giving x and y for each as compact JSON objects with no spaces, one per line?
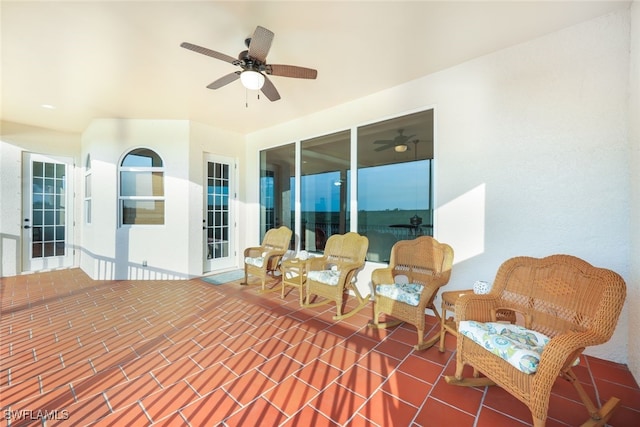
{"x":152,"y":170}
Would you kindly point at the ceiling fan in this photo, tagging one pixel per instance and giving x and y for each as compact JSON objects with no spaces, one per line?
{"x":399,"y":143}
{"x":253,"y":63}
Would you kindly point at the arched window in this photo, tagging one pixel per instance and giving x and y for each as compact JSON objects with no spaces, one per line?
{"x":87,"y":191}
{"x":141,"y":190}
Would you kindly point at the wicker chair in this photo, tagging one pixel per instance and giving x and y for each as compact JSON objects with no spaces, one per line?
{"x":568,"y":300}
{"x":333,"y":274}
{"x":425,"y":264}
{"x":264,"y":260}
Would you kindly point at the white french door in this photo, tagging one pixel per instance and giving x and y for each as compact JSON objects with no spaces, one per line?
{"x":47,"y":212}
{"x":218,"y":223}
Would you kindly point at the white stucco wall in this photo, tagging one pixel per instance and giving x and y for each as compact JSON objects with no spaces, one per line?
{"x":175,"y":249}
{"x":633,"y":284}
{"x":532,"y":139}
{"x":15,"y":139}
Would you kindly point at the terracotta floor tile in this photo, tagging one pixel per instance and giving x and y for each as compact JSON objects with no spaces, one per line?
{"x":144,"y":365}
{"x":337,"y":403}
{"x":90,"y":386}
{"x":304,"y":352}
{"x":421,"y":368}
{"x":290,"y":395}
{"x":19,"y":391}
{"x":53,"y":379}
{"x":319,"y":374}
{"x":280,"y":354}
{"x":249,"y":386}
{"x":211,"y":378}
{"x":379,"y":363}
{"x":279,"y":368}
{"x":361,"y":380}
{"x":131,"y":416}
{"x":309,"y":416}
{"x":436,"y":413}
{"x":385,"y":409}
{"x":407,"y":388}
{"x":491,"y":418}
{"x":211,"y":409}
{"x":129,"y":392}
{"x":499,"y":400}
{"x":93,"y":408}
{"x":341,"y":358}
{"x":244,"y":361}
{"x":261,"y":410}
{"x":176,"y":371}
{"x":169,"y":400}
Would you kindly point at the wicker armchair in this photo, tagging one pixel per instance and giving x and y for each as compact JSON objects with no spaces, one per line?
{"x":425,"y":264}
{"x":333,"y":274}
{"x":571,"y":302}
{"x":264,"y":260}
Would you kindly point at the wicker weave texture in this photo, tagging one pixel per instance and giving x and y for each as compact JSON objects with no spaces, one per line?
{"x":424,"y":261}
{"x":574,"y":303}
{"x":274,"y":246}
{"x":347,"y":253}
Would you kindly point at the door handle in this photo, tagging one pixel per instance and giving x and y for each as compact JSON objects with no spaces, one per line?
{"x":27,"y":226}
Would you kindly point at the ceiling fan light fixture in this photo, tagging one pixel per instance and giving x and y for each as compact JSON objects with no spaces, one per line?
{"x":400,"y":148}
{"x":252,"y":80}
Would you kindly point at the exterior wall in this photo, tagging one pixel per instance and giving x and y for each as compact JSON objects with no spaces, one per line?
{"x":113,"y":252}
{"x":633,"y":284}
{"x":531,"y":139}
{"x":14,"y":140}
{"x":173,"y":250}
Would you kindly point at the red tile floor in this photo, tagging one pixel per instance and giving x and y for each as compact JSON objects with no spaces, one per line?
{"x":126,"y":353}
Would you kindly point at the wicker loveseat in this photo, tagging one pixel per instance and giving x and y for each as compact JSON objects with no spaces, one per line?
{"x":572,"y":303}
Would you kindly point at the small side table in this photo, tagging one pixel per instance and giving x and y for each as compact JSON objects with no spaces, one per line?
{"x":294,"y":273}
{"x":449,"y":304}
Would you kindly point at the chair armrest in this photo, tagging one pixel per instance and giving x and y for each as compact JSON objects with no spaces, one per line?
{"x":381,"y":276}
{"x":556,"y":354}
{"x":254,"y":251}
{"x":476,"y":307}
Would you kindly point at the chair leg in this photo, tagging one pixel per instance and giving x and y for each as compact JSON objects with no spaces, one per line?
{"x":598,"y":416}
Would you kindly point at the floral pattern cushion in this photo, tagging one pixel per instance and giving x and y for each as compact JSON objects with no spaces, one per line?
{"x":255,"y":261}
{"x":328,"y":277}
{"x":408,"y":293}
{"x":517,"y":345}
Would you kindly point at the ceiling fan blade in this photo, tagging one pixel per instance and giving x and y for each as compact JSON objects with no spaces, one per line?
{"x":224,"y":80}
{"x":260,"y":43}
{"x":270,"y":90}
{"x":291,"y":71}
{"x":208,"y":52}
{"x":388,"y":141}
{"x":384,"y":147}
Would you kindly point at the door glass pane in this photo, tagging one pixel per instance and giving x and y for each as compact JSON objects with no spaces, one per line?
{"x":217,"y":214}
{"x":49,"y":203}
{"x":324,"y":188}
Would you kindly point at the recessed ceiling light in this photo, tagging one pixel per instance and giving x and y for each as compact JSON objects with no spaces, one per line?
{"x":48,"y":106}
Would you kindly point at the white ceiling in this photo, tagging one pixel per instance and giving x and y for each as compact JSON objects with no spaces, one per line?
{"x":116,"y":59}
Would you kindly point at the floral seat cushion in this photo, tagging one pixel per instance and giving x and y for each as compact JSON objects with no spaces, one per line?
{"x":408,"y":293}
{"x":328,"y":277}
{"x":519,"y":346}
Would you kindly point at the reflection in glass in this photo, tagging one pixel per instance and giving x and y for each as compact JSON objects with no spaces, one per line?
{"x":48,"y":209}
{"x":142,"y":212}
{"x":277,"y":173}
{"x":394,"y":181}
